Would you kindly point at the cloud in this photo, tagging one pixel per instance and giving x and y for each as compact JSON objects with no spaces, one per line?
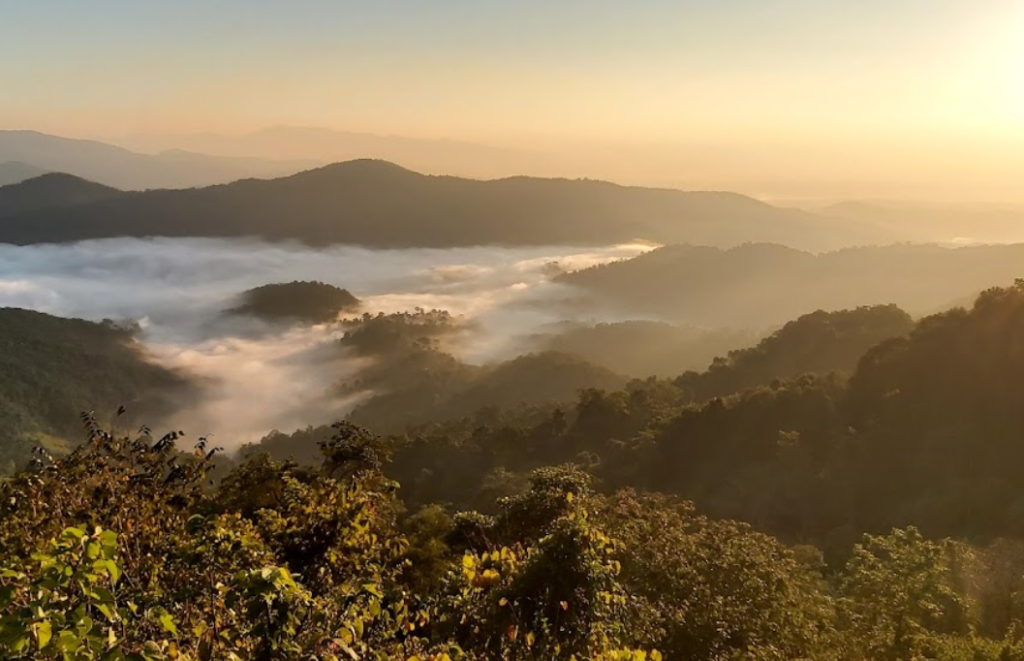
{"x":259,"y":377}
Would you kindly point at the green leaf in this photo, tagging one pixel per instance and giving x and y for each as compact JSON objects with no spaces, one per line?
{"x":114,"y":570}
{"x":67,"y":641}
{"x":167,"y":622}
{"x":44,"y":632}
{"x":108,"y":538}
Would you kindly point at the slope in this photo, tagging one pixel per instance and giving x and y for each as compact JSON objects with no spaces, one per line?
{"x":379,"y":204}
{"x":766,"y":285}
{"x":13,"y":172}
{"x":51,"y":191}
{"x":54,"y":368}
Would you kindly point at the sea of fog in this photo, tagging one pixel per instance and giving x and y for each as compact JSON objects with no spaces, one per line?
{"x":259,"y":377}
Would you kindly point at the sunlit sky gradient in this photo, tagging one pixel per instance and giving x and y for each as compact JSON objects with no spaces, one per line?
{"x":882,"y":91}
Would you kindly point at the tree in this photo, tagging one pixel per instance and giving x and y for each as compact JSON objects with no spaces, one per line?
{"x":897,"y":595}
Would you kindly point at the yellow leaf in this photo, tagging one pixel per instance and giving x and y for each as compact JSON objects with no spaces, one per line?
{"x":45,"y":633}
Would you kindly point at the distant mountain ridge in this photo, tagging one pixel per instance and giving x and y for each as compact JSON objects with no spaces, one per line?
{"x":761,"y":285}
{"x":121,"y":168}
{"x":380,"y":204}
{"x":323,"y":145}
{"x":13,"y":172}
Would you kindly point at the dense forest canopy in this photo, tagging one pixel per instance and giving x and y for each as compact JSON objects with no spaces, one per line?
{"x":140,"y":557}
{"x":379,"y":204}
{"x":815,"y":343}
{"x":885,"y":434}
{"x":52,"y":369}
{"x":835,"y":491}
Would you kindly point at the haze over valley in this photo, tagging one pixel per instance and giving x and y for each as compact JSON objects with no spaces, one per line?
{"x":473,"y":331}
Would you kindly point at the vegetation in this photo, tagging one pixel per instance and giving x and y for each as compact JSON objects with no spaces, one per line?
{"x":816,"y":343}
{"x":135,"y":558}
{"x":314,"y":302}
{"x":53,"y":367}
{"x":412,"y":380}
{"x":852,"y":516}
{"x":813,"y":458}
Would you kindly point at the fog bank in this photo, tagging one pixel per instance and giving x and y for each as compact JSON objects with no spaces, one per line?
{"x":257,"y":376}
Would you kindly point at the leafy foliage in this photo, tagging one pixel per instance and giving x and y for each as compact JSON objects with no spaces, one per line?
{"x":562,"y":532}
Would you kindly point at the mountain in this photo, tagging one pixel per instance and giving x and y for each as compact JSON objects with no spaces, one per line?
{"x":763,"y":285}
{"x":55,"y":368}
{"x":330,"y":146}
{"x":13,"y":172}
{"x":816,"y":343}
{"x":121,"y":168}
{"x":51,"y":191}
{"x":642,"y":348}
{"x":379,"y":204}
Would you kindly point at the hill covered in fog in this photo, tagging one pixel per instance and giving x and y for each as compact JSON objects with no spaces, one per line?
{"x":315,"y":302}
{"x":760,"y":285}
{"x":379,"y":204}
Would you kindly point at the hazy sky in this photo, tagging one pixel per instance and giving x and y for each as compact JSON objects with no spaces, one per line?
{"x":891,"y":88}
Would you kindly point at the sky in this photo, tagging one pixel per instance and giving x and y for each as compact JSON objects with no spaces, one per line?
{"x":889,"y":92}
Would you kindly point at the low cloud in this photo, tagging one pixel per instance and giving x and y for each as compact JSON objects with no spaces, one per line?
{"x":258,"y":377}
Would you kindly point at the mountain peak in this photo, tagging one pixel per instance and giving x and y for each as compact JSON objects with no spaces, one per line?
{"x":369,"y":165}
{"x":51,"y":190}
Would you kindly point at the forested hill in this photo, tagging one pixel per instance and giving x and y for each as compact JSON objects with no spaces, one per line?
{"x":51,"y":192}
{"x":375,"y":203}
{"x":52,"y":369}
{"x":315,"y":302}
{"x":764,"y":285}
{"x":925,"y":430}
{"x":604,"y":531}
{"x":816,"y":343}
